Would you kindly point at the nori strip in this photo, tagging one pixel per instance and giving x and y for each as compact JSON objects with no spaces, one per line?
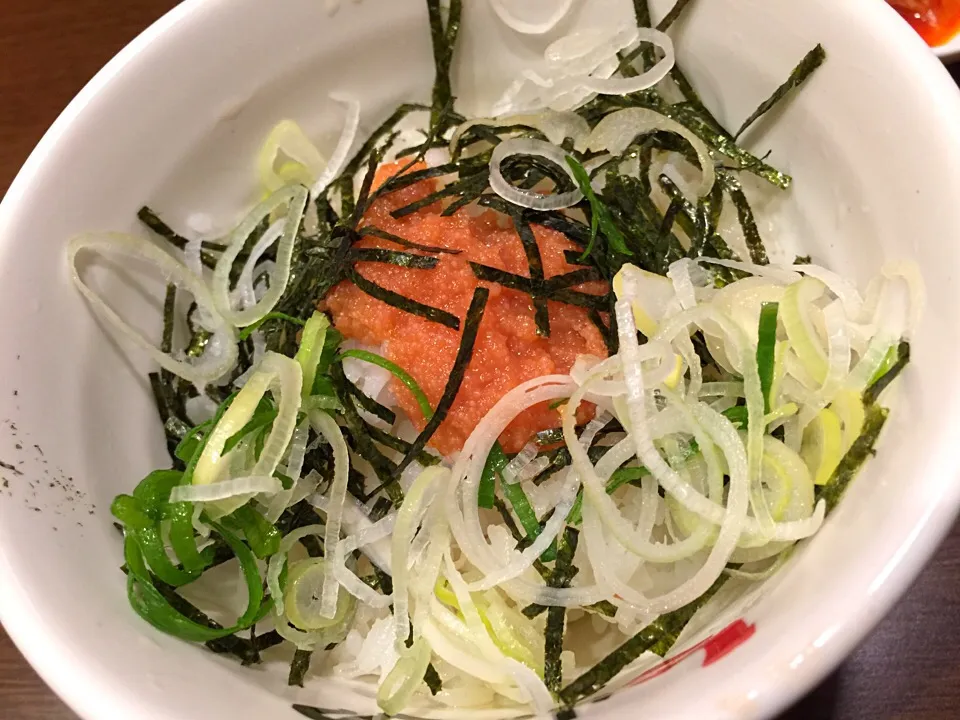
{"x":241,"y":648}
{"x":871,"y":394}
{"x":393,"y":257}
{"x":361,"y":441}
{"x":858,"y":453}
{"x":471,"y":328}
{"x":671,"y":17}
{"x":372,"y":231}
{"x":371,"y":142}
{"x":404,"y":303}
{"x":432,"y":679}
{"x":719,"y":140}
{"x":751,"y":234}
{"x":476,"y":182}
{"x":150,"y":218}
{"x":570,"y":279}
{"x":370,"y":405}
{"x":266,"y":641}
{"x":299,"y":667}
{"x":575,"y":230}
{"x":804,"y":69}
{"x":686,"y":213}
{"x":658,"y":637}
{"x":647,"y":51}
{"x":401,"y":446}
{"x":363,"y":200}
{"x":563,"y":572}
{"x":444,"y":37}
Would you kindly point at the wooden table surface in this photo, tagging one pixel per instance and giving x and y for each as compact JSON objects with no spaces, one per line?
{"x":909,"y":668}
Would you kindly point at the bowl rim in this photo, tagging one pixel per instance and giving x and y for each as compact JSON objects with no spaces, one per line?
{"x":91,"y":693}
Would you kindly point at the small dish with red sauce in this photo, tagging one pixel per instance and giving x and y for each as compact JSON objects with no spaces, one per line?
{"x":936,"y":21}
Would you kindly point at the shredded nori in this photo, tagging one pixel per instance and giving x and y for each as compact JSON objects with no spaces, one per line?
{"x":563,"y":573}
{"x":855,"y":457}
{"x":658,"y":637}
{"x":299,"y":667}
{"x":671,"y":17}
{"x":871,"y":394}
{"x":471,"y":328}
{"x":372,"y":231}
{"x":751,"y":233}
{"x":404,"y":303}
{"x":444,"y":33}
{"x":432,"y":679}
{"x":804,"y":69}
{"x":393,"y":257}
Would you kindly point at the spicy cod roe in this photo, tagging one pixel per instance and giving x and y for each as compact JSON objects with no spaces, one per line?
{"x":508,"y":350}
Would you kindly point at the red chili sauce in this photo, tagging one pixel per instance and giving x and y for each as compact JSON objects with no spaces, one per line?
{"x":937,"y":21}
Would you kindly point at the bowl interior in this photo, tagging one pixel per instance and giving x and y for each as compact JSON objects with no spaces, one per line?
{"x":176,"y":120}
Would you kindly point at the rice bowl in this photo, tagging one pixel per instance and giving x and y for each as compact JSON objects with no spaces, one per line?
{"x":800,"y":104}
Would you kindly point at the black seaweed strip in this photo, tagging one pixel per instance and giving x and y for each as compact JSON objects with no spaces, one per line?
{"x":751,"y":233}
{"x":393,"y":257}
{"x":267,"y":640}
{"x":382,"y":130}
{"x":575,"y":230}
{"x":432,"y":679}
{"x":563,"y":572}
{"x":502,"y":277}
{"x":149,"y":218}
{"x":574,"y":257}
{"x":404,"y":303}
{"x":508,"y":520}
{"x":404,"y":179}
{"x":444,"y":36}
{"x":570,"y":279}
{"x":642,"y":11}
{"x":800,"y":74}
{"x":871,"y":394}
{"x":369,"y":404}
{"x":401,"y":446}
{"x":299,"y":667}
{"x":709,"y":208}
{"x":363,"y":444}
{"x":580,"y":299}
{"x":471,"y":328}
{"x":364,"y":199}
{"x":372,"y":231}
{"x":532,"y":251}
{"x":604,"y":329}
{"x":242,"y":648}
{"x":671,"y":17}
{"x":858,"y":454}
{"x":470,"y":183}
{"x":666,"y":227}
{"x":470,"y":195}
{"x":686,"y":215}
{"x":658,"y":637}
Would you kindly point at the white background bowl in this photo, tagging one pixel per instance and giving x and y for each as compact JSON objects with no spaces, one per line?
{"x":175,"y":120}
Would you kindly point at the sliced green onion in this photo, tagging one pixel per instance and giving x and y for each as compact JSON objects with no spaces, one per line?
{"x":250,"y":329}
{"x":152,"y":606}
{"x":398,"y":372}
{"x":766,"y":347}
{"x":496,"y":462}
{"x":312,"y":345}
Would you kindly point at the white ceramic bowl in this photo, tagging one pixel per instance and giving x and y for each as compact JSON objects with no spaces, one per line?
{"x":873,"y":144}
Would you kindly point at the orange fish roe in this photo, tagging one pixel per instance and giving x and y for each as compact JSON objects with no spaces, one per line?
{"x":508,"y":350}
